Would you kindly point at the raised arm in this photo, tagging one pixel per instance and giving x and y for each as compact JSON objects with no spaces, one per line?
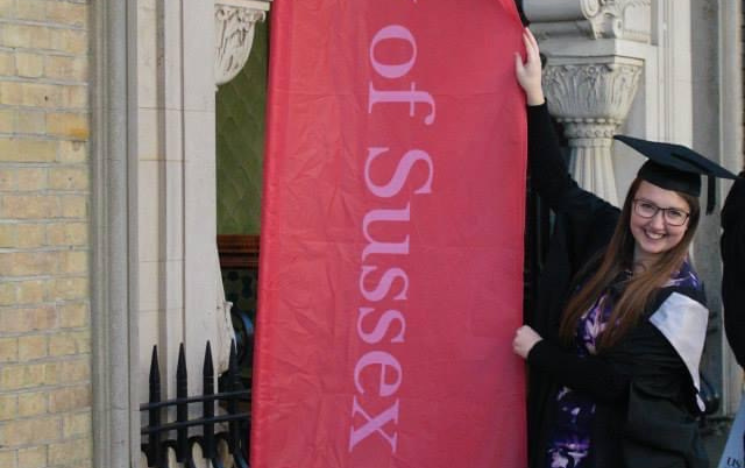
{"x":548,"y":170}
{"x":589,"y":220}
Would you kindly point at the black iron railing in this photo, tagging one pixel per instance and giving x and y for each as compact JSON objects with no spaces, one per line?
{"x":208,"y":430}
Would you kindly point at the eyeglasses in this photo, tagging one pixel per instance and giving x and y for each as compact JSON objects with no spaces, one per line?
{"x":672,"y":216}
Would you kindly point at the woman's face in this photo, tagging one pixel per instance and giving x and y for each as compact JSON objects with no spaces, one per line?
{"x":657,"y":234}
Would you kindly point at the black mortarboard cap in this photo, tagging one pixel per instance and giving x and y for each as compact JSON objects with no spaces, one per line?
{"x":676,"y":167}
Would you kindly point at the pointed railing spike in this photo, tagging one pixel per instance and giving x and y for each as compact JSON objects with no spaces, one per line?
{"x":232,"y":380}
{"x":182,"y":408}
{"x":163,"y":432}
{"x":154,"y":372}
{"x":233,"y":356}
{"x":210,"y":449}
{"x":156,"y":453}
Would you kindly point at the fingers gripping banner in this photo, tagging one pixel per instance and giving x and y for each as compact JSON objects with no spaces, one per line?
{"x":392,"y":237}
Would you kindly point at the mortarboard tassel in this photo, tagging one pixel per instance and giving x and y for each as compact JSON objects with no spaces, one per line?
{"x":711,"y":196}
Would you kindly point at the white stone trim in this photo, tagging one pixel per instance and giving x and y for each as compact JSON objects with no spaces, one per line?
{"x":113,"y":293}
{"x":731,"y":94}
{"x":181,"y":299}
{"x":675,"y":85}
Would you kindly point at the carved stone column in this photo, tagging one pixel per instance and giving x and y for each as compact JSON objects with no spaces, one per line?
{"x":591,"y":100}
{"x":596,"y":52}
{"x":235,"y":22}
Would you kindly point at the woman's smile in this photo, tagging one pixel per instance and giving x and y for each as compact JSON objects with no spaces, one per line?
{"x":655,"y":235}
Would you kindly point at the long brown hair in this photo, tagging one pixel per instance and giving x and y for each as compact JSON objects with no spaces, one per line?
{"x":639,"y":290}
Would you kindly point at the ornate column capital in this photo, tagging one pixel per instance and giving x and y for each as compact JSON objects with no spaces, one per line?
{"x":592,"y":100}
{"x":235,"y":22}
{"x":600,"y":91}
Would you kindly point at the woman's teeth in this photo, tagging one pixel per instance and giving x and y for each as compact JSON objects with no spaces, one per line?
{"x":653,"y":235}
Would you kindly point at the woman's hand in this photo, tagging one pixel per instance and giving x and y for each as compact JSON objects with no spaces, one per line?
{"x":525,"y":339}
{"x":529,"y":73}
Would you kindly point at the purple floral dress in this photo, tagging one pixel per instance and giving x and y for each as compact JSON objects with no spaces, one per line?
{"x":569,"y":440}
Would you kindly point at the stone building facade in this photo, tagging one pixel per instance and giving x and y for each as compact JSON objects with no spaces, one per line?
{"x":45,"y":249}
{"x":108,"y":184}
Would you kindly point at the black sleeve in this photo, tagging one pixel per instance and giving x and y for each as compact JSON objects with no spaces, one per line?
{"x":588,"y":374}
{"x":548,"y":171}
{"x":644,"y":358}
{"x":733,"y":260}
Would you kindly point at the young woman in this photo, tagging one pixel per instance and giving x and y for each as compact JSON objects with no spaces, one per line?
{"x":614,"y":361}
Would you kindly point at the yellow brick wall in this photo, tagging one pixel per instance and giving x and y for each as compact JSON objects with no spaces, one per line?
{"x":45,"y":337}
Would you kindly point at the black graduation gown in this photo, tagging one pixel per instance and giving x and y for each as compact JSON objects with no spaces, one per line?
{"x":733,"y":259}
{"x":643,"y":389}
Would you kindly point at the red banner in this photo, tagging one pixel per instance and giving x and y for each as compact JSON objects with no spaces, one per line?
{"x":392,"y":238}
